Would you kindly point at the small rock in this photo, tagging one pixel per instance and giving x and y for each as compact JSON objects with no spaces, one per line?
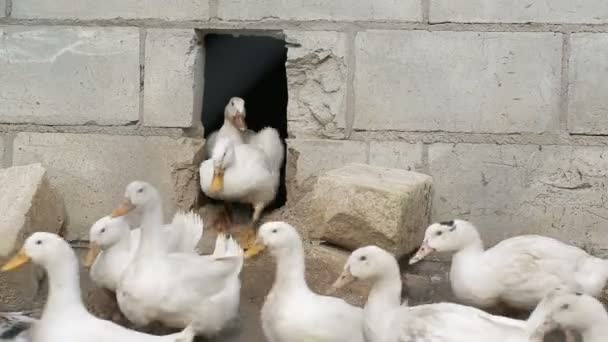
{"x":359,"y":205}
{"x":28,"y":204}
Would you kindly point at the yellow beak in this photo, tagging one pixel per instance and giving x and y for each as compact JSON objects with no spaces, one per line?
{"x":123,"y":209}
{"x":94,"y":251}
{"x":217,"y":183}
{"x":17,"y":261}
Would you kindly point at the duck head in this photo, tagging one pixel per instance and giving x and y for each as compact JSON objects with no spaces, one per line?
{"x":139,"y":196}
{"x":45,"y":249}
{"x":105,"y":233}
{"x":235,"y":113}
{"x":366,"y":263}
{"x":448,"y":236}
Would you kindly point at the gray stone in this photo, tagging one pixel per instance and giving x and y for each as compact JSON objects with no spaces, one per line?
{"x":508,"y":190}
{"x":69,"y":75}
{"x":482,"y":82}
{"x":396,"y":154}
{"x":308,"y":158}
{"x":358,"y":204}
{"x":91,"y":170}
{"x":587,"y":102}
{"x":407,"y":10}
{"x":316,"y":75}
{"x":111,"y":9}
{"x":520,"y":11}
{"x":173,"y":84}
{"x":2,"y":8}
{"x":29,"y":205}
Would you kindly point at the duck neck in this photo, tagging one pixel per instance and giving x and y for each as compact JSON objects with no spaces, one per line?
{"x":151,"y":238}
{"x":290,"y":269}
{"x":471,"y":250}
{"x":64,"y":287}
{"x":384,"y":297}
{"x":123,"y":244}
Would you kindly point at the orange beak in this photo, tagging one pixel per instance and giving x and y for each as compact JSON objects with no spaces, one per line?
{"x":123,"y":209}
{"x":217,"y":183}
{"x":346,"y":278}
{"x":17,"y":261}
{"x":94,"y":251}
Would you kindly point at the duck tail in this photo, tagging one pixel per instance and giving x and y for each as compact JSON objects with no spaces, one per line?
{"x":187,"y":335}
{"x":191,"y":226}
{"x":269,"y":141}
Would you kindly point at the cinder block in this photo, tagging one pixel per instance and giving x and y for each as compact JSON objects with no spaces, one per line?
{"x":111,"y":9}
{"x":396,"y":154}
{"x":29,"y":205}
{"x":2,"y":8}
{"x":520,"y":11}
{"x":317,"y":78}
{"x":173,"y":83}
{"x":91,"y":171}
{"x":508,"y":190}
{"x":588,"y":100}
{"x":69,"y":75}
{"x":402,"y":10}
{"x":484,"y":82}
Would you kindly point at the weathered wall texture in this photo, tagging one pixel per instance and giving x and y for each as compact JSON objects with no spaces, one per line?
{"x":502,"y":102}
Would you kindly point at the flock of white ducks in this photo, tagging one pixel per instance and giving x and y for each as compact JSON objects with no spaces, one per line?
{"x":158,"y":274}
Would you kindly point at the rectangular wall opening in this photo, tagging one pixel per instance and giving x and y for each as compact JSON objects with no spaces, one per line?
{"x":251,"y":67}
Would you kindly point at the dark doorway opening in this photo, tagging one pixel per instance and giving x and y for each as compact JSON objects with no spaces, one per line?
{"x":253,"y":68}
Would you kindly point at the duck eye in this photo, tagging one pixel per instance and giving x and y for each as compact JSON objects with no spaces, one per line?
{"x":565,"y":307}
{"x":274,"y":230}
{"x":439,"y":233}
{"x":39,"y":242}
{"x":103,"y":230}
{"x":579,"y":294}
{"x":363,"y":258}
{"x":140,"y":190}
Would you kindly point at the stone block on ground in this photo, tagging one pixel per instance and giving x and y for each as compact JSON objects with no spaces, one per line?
{"x":29,"y":204}
{"x":359,"y":205}
{"x":92,"y":170}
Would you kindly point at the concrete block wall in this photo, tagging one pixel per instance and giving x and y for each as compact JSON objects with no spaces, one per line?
{"x":502,"y":102}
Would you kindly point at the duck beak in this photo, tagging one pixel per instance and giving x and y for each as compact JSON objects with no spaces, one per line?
{"x":17,"y":261}
{"x":92,"y":254}
{"x":422,"y":252}
{"x":346,"y":278}
{"x":256,"y":248}
{"x":124,"y":208}
{"x":217,"y":183}
{"x":239,"y":122}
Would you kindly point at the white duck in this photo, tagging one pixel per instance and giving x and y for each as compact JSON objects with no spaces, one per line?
{"x":113,"y":244}
{"x":292,"y":312}
{"x":386,"y":320}
{"x":234,"y":127}
{"x":245,"y":173}
{"x":65,"y":317}
{"x":518,"y":271}
{"x":176,"y":289}
{"x":576,"y":311}
{"x":15,"y":326}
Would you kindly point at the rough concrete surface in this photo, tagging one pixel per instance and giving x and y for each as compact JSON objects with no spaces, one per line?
{"x":173,"y":83}
{"x":69,"y":75}
{"x":515,"y":189}
{"x":91,"y":171}
{"x":407,"y":10}
{"x":519,"y":11}
{"x":111,"y":9}
{"x":396,"y":154}
{"x":29,"y":204}
{"x":317,"y":77}
{"x":486,"y":82}
{"x":588,"y":103}
{"x":358,"y":204}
